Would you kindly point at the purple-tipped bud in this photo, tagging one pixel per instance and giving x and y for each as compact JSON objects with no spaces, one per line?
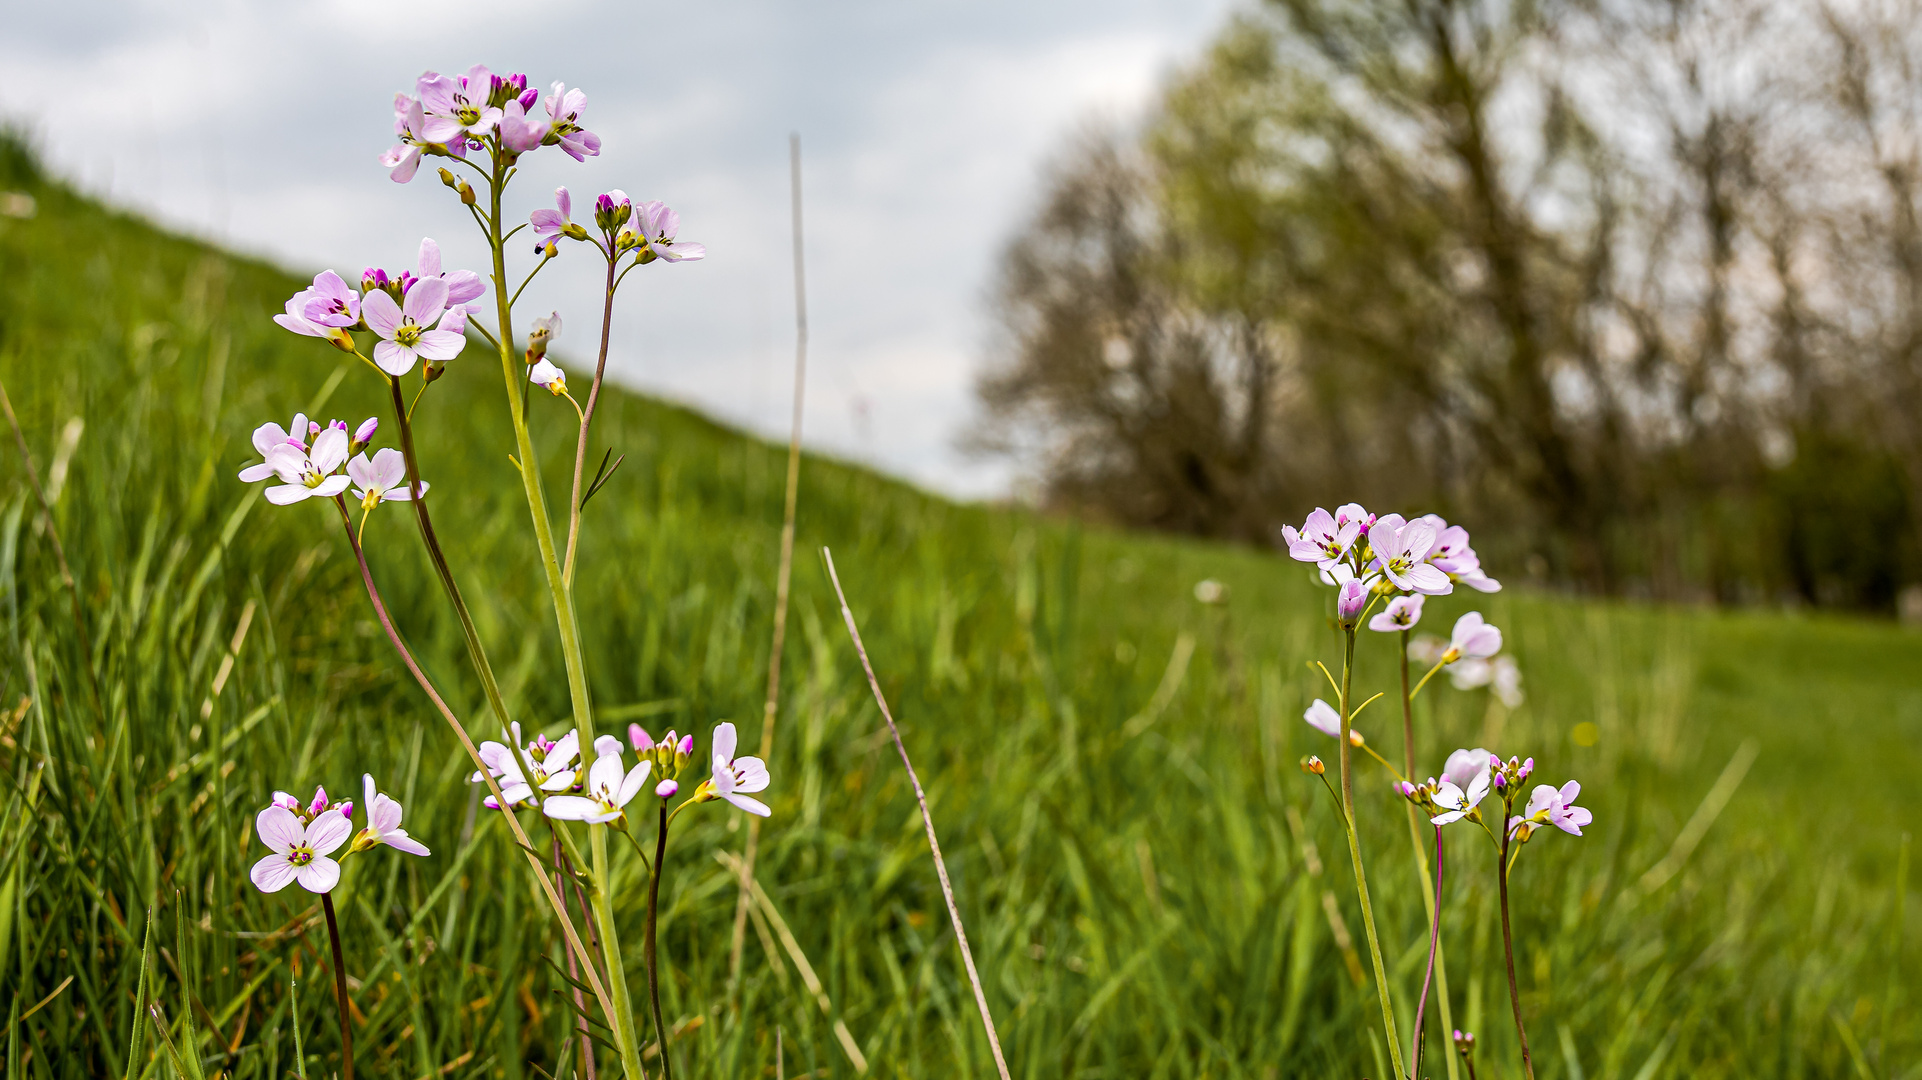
{"x":1500,"y":780}
{"x":643,"y":742}
{"x":373,"y":278}
{"x":364,"y":434}
{"x":529,"y":97}
{"x":687,"y":745}
{"x":346,"y":809}
{"x":286,"y":801}
{"x":320,"y":801}
{"x":666,"y":789}
{"x":341,"y":424}
{"x":1349,"y":602}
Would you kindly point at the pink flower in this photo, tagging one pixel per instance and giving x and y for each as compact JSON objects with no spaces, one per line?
{"x":1401,"y":613}
{"x":330,"y":302}
{"x":419,"y":133}
{"x":1323,"y":718}
{"x":299,"y":850}
{"x":1550,"y":806}
{"x":383,"y":823}
{"x":384,"y":479}
{"x":608,"y":790}
{"x":519,"y":132}
{"x":266,"y":438}
{"x":467,"y":100}
{"x":564,"y":109}
{"x":552,"y":762}
{"x":406,"y":329}
{"x":1321,"y":540}
{"x":1400,"y":549}
{"x":550,"y":224}
{"x":307,"y":473}
{"x":733,"y":778}
{"x":462,"y":285}
{"x":1463,"y":766}
{"x":1464,"y":784}
{"x":1351,"y":596}
{"x":657,"y":225}
{"x":643,"y":742}
{"x":1473,"y":638}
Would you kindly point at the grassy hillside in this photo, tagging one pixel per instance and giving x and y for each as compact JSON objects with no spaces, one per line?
{"x":1144,"y":886}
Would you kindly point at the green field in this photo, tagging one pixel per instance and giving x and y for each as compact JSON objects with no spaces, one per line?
{"x":1140,"y":883}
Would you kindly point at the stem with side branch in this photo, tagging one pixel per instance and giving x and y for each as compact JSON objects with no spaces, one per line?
{"x":934,"y":845}
{"x":1354,"y":851}
{"x":340,"y":989}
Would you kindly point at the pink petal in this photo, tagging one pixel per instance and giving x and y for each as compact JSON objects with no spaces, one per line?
{"x":288,"y":494}
{"x":382,"y":315}
{"x":395,"y":360}
{"x":279,"y":828}
{"x":752,"y":806}
{"x":318,"y":876}
{"x":272,"y":874}
{"x":750,"y":774}
{"x":328,"y":832}
{"x":425,"y":300}
{"x":569,"y":807}
{"x":446,"y":344}
{"x":400,"y":841}
{"x":725,"y":739}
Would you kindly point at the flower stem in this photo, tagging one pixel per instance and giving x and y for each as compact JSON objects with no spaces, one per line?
{"x":513,"y":823}
{"x":1508,"y":950}
{"x":1434,"y":940}
{"x":340,"y":988}
{"x":587,"y":417}
{"x":1437,"y":962}
{"x":648,"y":944}
{"x":1354,"y":851}
{"x":622,"y":1011}
{"x":573,"y":968}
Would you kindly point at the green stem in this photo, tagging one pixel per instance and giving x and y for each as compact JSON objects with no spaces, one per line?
{"x":1508,"y":950}
{"x":587,"y":417}
{"x":1435,"y":959}
{"x":625,"y":1039}
{"x":648,"y":943}
{"x":1354,"y":852}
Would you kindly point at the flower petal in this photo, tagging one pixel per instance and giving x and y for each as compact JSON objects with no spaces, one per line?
{"x":750,"y":774}
{"x":380,"y":313}
{"x":395,"y":360}
{"x":328,"y":831}
{"x":279,"y":828}
{"x":272,"y":874}
{"x":569,"y":807}
{"x":319,"y":876}
{"x":631,"y":786}
{"x":400,"y":841}
{"x":425,"y":300}
{"x":752,"y":806}
{"x":725,"y":739}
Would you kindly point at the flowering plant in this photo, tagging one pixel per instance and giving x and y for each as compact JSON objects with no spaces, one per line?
{"x":411,"y":325}
{"x":1398,"y":564}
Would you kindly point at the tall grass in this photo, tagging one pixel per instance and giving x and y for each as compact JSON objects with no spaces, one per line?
{"x":1151,"y":886}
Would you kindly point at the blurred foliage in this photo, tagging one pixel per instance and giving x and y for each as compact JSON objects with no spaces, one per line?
{"x":1147,"y":878}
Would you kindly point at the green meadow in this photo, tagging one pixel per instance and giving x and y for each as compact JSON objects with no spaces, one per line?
{"x":1151,"y":885}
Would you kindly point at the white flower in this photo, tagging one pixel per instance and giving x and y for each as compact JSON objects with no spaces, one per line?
{"x":1473,"y":638}
{"x":300,"y":850}
{"x":383,"y":823}
{"x":608,"y":790}
{"x":307,"y":473}
{"x":552,"y":762}
{"x":734,"y":778}
{"x":384,"y":479}
{"x":547,"y":375}
{"x":1323,"y":718}
{"x":266,"y":438}
{"x":1464,"y":784}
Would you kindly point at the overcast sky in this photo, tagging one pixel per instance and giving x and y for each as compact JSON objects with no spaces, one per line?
{"x":924,"y":128}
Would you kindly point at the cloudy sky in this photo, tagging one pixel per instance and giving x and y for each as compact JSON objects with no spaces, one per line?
{"x":924,"y":128}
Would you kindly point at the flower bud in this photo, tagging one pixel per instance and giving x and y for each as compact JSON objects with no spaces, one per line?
{"x":320,"y":801}
{"x":682,"y":752}
{"x":286,"y":801}
{"x":1349,"y":603}
{"x":433,"y":369}
{"x":466,"y":192}
{"x":363,"y":435}
{"x":573,"y":230}
{"x":666,"y":789}
{"x":447,"y":178}
{"x":346,"y":809}
{"x":1312,"y":764}
{"x":1354,"y":737}
{"x":641,"y":740}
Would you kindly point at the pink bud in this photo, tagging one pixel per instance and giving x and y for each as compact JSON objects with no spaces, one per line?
{"x":636,"y":734}
{"x":666,"y":789}
{"x":365,"y":433}
{"x":1350,"y":602}
{"x":346,"y":809}
{"x":286,"y":801}
{"x":687,"y":745}
{"x":320,"y":801}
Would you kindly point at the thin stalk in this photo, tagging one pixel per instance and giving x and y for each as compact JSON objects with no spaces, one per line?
{"x":1434,"y":941}
{"x":648,"y":943}
{"x":573,"y":967}
{"x":1354,"y":852}
{"x":622,"y":1012}
{"x":1508,"y":949}
{"x":587,"y":417}
{"x":513,"y":823}
{"x":340,"y":988}
{"x":1436,"y":959}
{"x":934,"y":845}
{"x":771,"y":707}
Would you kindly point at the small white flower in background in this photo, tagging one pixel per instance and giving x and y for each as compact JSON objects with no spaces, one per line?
{"x":1473,"y":638}
{"x":384,"y":479}
{"x":1427,"y":649}
{"x":548,"y":376}
{"x":734,"y":778}
{"x":307,"y":473}
{"x":1210,"y":591}
{"x":1471,"y":674}
{"x":607,"y":791}
{"x":1323,"y":718}
{"x":266,"y":438}
{"x":552,"y":762}
{"x":1402,"y":613}
{"x":383,"y":823}
{"x":1505,"y":680}
{"x":300,"y":849}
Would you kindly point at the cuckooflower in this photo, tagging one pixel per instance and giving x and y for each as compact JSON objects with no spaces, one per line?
{"x":1474,"y":637}
{"x":1323,"y":718}
{"x":332,"y":302}
{"x":462,"y":285}
{"x":1464,"y":784}
{"x":1400,"y":548}
{"x":550,"y":224}
{"x":607,"y":791}
{"x":383,"y":823}
{"x":1548,"y":805}
{"x":1463,"y":766}
{"x":466,"y":100}
{"x":734,"y":778}
{"x":552,"y":762}
{"x":1351,"y":596}
{"x":300,"y":849}
{"x":564,"y":108}
{"x":384,"y":479}
{"x":419,"y":133}
{"x":643,"y":742}
{"x":520,"y":132}
{"x":1402,"y":613}
{"x":306,"y":473}
{"x":406,"y":329}
{"x":266,"y":438}
{"x":548,"y":376}
{"x":1320,"y":540}
{"x":657,"y":226}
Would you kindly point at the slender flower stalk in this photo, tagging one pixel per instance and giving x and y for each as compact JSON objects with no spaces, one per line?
{"x":587,"y":418}
{"x":340,"y":988}
{"x":648,"y":945}
{"x":573,"y":966}
{"x":1437,"y":964}
{"x":1508,"y":944}
{"x":1354,"y":849}
{"x":1434,"y":946}
{"x":520,"y":836}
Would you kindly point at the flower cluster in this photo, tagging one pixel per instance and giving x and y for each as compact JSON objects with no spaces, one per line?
{"x":447,"y":116}
{"x":415,"y":316}
{"x":302,"y":838}
{"x":601,"y":796}
{"x":314,"y":469}
{"x":1358,"y":551}
{"x":650,"y":230}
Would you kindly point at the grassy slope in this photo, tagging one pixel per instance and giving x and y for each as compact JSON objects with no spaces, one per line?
{"x":1141,"y":905}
